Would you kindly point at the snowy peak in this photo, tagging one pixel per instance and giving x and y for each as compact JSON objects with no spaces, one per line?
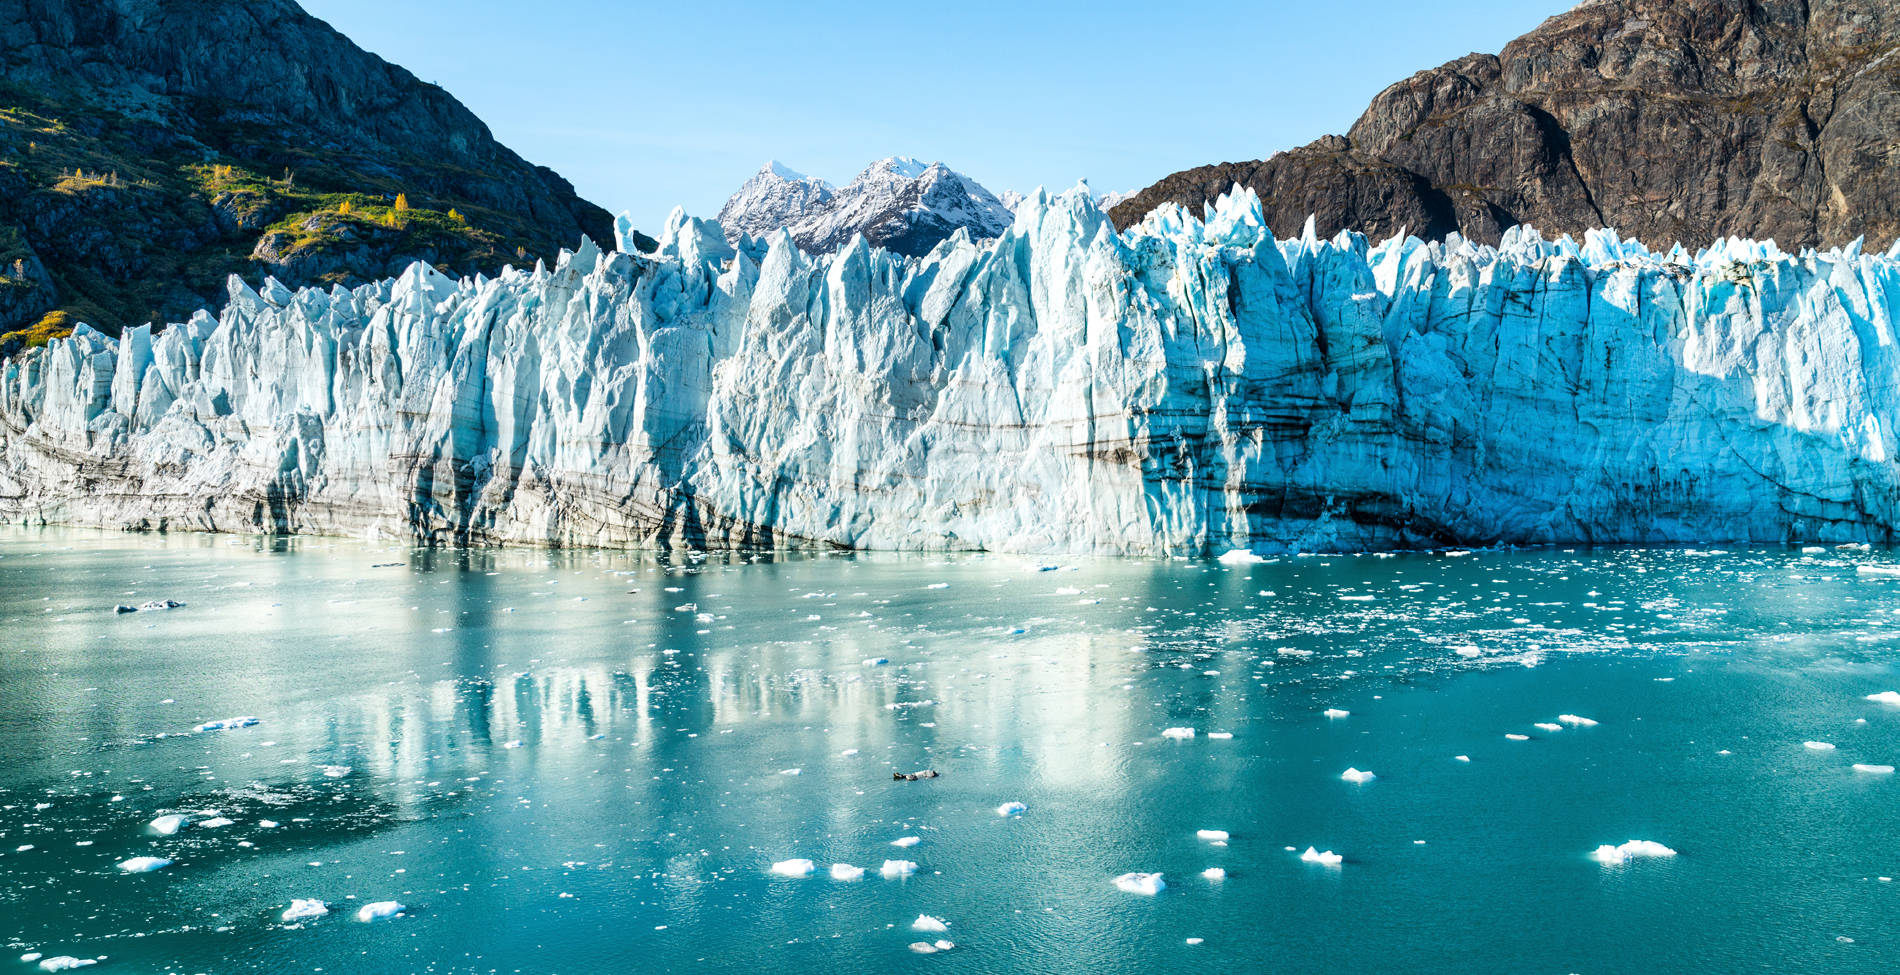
{"x":898,"y":203}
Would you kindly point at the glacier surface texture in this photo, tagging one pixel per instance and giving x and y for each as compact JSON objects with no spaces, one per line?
{"x":1187,"y":387}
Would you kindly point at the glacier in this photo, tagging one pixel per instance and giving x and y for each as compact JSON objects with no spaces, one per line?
{"x":1189,"y":387}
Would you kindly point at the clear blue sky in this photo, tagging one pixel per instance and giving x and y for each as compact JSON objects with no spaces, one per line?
{"x":647,"y":105}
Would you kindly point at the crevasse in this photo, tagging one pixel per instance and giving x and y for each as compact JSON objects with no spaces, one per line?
{"x":1181,"y":388}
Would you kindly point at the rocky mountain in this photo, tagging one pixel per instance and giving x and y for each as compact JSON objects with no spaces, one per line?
{"x":149,"y":148}
{"x":899,"y":204}
{"x":1185,"y":388}
{"x":1666,"y":119}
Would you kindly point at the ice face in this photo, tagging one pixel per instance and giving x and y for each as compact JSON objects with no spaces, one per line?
{"x":1187,"y":387}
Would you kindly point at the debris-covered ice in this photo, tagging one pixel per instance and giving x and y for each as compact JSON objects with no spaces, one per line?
{"x":1632,"y":850}
{"x":1141,"y":883}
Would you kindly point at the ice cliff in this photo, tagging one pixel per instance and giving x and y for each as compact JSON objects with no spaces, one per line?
{"x":1183,"y":387}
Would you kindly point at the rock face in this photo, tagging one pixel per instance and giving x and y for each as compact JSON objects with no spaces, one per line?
{"x":899,"y":204}
{"x":1182,"y":388}
{"x":150,"y":145}
{"x":1669,"y":119}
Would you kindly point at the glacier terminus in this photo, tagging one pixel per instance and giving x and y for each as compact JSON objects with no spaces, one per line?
{"x":1187,"y":387}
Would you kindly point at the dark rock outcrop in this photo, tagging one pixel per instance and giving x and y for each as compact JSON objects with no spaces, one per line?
{"x":1666,"y":119}
{"x":150,"y":144}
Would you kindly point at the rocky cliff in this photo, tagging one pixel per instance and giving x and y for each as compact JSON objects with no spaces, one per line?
{"x":1667,"y":119}
{"x":149,"y":148}
{"x":1181,"y":388}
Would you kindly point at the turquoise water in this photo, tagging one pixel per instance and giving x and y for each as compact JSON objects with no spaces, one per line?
{"x":576,"y":763}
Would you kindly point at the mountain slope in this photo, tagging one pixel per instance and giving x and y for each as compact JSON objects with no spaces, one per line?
{"x":1667,"y":119}
{"x":149,"y":148}
{"x":899,"y":204}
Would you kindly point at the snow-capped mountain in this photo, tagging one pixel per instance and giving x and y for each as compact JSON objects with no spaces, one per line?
{"x":899,"y":204}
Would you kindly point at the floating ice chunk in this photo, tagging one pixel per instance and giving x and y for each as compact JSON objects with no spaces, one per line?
{"x":894,"y":869}
{"x":1819,"y":746}
{"x":1874,"y":769}
{"x":934,"y":925}
{"x":169,"y":825}
{"x":1548,"y":726}
{"x":924,"y":948}
{"x":267,"y":823}
{"x":1634,"y":848}
{"x":847,"y":753}
{"x":1518,"y":737}
{"x":1337,"y":713}
{"x":876,"y":661}
{"x":1220,"y":735}
{"x":1356,"y":776}
{"x":1141,"y":883}
{"x":845,"y":871}
{"x":300,"y":909}
{"x":1812,"y":550}
{"x":1195,"y":941}
{"x":336,"y":771}
{"x":938,"y":585}
{"x":379,"y":911}
{"x":1886,"y":697}
{"x":227,"y":724}
{"x":61,"y":963}
{"x":907,"y":841}
{"x":1211,"y":835}
{"x":1239,"y":556}
{"x":1214,"y":873}
{"x":1325,"y":858}
{"x":1011,"y":809}
{"x":791,"y":771}
{"x":1179,"y":734}
{"x":1880,"y":571}
{"x":1576,"y":721}
{"x":1461,"y":758}
{"x":144,"y":864}
{"x":30,"y":956}
{"x":794,"y":868}
{"x":216,"y":822}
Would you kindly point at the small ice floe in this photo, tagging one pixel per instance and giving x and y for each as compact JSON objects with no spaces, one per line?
{"x":144,"y":864}
{"x":1461,"y":758}
{"x":1853,"y":547}
{"x":907,"y":841}
{"x":1812,"y":550}
{"x":1220,"y":735}
{"x":227,"y":724}
{"x":1518,"y":737}
{"x":1178,"y":734}
{"x":1149,"y":884}
{"x":794,"y":868}
{"x":790,"y":771}
{"x":933,"y":925}
{"x":845,"y":871}
{"x":169,"y":825}
{"x":1607,"y":854}
{"x":1891,"y":698}
{"x":335,"y":771}
{"x":1211,"y":835}
{"x":379,"y":911}
{"x":1879,"y":571}
{"x":930,"y":947}
{"x":1576,"y":721}
{"x":267,"y":823}
{"x":924,"y":773}
{"x":1873,"y":769}
{"x":893,"y":869}
{"x":876,"y":661}
{"x":1214,"y":873}
{"x":1356,"y":776}
{"x":1337,"y":713}
{"x":1819,"y":746}
{"x":216,"y":822}
{"x":847,"y":753}
{"x":300,"y":909}
{"x":1239,"y":556}
{"x":938,"y":585}
{"x":63,"y":963}
{"x":1195,"y":941}
{"x":1323,"y":857}
{"x":1011,"y":809}
{"x":1548,"y":726}
{"x":31,"y":956}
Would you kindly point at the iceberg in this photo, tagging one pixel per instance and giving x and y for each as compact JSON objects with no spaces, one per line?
{"x":794,"y":868}
{"x":1611,"y":855}
{"x":144,"y":864}
{"x":379,"y":911}
{"x":895,"y":869}
{"x":301,"y":909}
{"x":1214,"y":873}
{"x":170,"y":824}
{"x":934,"y":925}
{"x":1011,"y":809}
{"x":1188,"y":386}
{"x":1179,"y":734}
{"x":1326,"y":858}
{"x":1149,"y":884}
{"x":845,"y":871}
{"x":1886,"y":697}
{"x":1356,"y":776}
